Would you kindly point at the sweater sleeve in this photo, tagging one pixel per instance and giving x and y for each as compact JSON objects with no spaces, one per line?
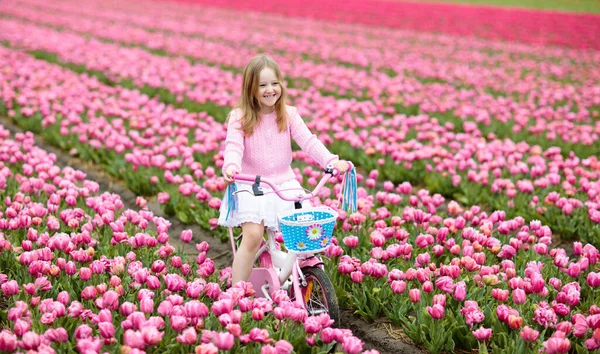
{"x":309,"y":141}
{"x":234,"y":143}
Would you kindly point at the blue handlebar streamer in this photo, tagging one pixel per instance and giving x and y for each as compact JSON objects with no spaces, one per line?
{"x":231,"y":199}
{"x":349,"y":191}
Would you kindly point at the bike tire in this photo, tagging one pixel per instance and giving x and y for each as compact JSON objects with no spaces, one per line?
{"x":322,"y":294}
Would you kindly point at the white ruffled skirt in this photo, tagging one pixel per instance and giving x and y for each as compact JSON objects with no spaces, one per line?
{"x":257,"y":209}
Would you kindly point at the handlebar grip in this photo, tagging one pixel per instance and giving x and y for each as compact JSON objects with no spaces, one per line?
{"x":334,"y":171}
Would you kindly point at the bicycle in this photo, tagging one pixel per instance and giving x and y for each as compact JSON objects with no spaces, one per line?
{"x":300,"y":270}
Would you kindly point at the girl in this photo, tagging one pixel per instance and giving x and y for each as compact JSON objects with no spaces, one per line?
{"x":258,"y":142}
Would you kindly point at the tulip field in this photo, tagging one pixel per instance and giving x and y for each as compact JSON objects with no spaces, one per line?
{"x":476,"y":143}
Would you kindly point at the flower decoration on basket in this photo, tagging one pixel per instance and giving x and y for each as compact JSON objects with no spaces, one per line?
{"x":314,"y":232}
{"x":300,"y":245}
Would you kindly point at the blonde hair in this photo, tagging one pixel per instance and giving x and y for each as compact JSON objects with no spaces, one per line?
{"x":250,"y":105}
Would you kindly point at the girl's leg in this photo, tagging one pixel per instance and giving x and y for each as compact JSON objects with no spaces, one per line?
{"x":244,"y":257}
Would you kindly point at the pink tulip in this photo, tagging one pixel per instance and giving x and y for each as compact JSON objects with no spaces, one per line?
{"x":500,"y":295}
{"x":75,"y":309}
{"x":284,"y":347}
{"x":482,"y":334}
{"x":89,"y":344}
{"x":83,"y":331}
{"x":163,"y":198}
{"x":557,"y":345}
{"x":591,"y":344}
{"x":165,"y":308}
{"x":110,"y":300}
{"x":414,"y":295}
{"x":224,"y":341}
{"x":529,"y":334}
{"x":8,"y":341}
{"x":356,"y":276}
{"x":519,"y":296}
{"x":10,"y":288}
{"x":350,"y":241}
{"x":127,"y":308}
{"x":30,"y":340}
{"x":472,"y":313}
{"x":186,"y":236}
{"x":428,"y":286}
{"x":593,"y":279}
{"x":222,"y":306}
{"x":436,"y":311}
{"x":235,"y":329}
{"x":57,"y":335}
{"x":556,"y":283}
{"x":64,"y":298}
{"x":134,"y":339}
{"x":207,"y":348}
{"x":564,"y":327}
{"x":21,"y":327}
{"x":258,"y":314}
{"x":352,"y":345}
{"x":445,"y":284}
{"x":178,"y":323}
{"x":574,"y":270}
{"x":544,"y":315}
{"x":377,"y":239}
{"x":580,"y":329}
{"x":515,"y":321}
{"x":107,"y":330}
{"x":147,"y":305}
{"x":151,"y":335}
{"x":460,"y":291}
{"x":188,"y":336}
{"x":398,"y":286}
{"x":70,"y":268}
{"x":439,"y":299}
{"x":212,"y":290}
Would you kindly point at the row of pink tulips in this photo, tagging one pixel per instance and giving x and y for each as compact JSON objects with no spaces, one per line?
{"x":377,"y":85}
{"x":550,"y":124}
{"x":561,"y":129}
{"x":207,"y":85}
{"x":421,"y":60}
{"x":531,"y":27}
{"x":314,"y":36}
{"x":84,"y":275}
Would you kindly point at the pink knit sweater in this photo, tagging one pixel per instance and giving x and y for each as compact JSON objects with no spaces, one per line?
{"x":268,"y":152}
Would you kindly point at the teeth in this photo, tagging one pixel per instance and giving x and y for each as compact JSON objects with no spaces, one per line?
{"x":268,"y":96}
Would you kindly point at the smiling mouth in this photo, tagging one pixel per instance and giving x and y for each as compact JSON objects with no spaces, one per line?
{"x":269,"y":96}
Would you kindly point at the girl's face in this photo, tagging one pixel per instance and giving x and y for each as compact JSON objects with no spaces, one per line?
{"x":269,"y":90}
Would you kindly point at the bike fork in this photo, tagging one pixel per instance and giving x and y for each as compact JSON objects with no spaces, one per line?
{"x":297,"y":280}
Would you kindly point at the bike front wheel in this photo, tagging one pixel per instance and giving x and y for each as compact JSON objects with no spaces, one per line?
{"x":319,"y":295}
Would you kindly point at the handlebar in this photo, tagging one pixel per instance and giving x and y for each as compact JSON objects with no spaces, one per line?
{"x":328,"y":172}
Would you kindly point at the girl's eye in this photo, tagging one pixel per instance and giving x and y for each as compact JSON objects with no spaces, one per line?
{"x":262,"y":85}
{"x":275,"y":83}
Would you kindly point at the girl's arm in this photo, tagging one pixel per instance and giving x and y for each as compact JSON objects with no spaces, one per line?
{"x":309,"y":141}
{"x":234,"y":143}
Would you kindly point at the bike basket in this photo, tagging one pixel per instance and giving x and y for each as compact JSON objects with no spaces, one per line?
{"x":307,"y":230}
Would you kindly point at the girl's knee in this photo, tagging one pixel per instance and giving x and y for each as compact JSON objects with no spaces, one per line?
{"x":252,"y":236}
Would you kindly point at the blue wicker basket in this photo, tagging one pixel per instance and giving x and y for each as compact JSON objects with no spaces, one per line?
{"x":307,"y":230}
